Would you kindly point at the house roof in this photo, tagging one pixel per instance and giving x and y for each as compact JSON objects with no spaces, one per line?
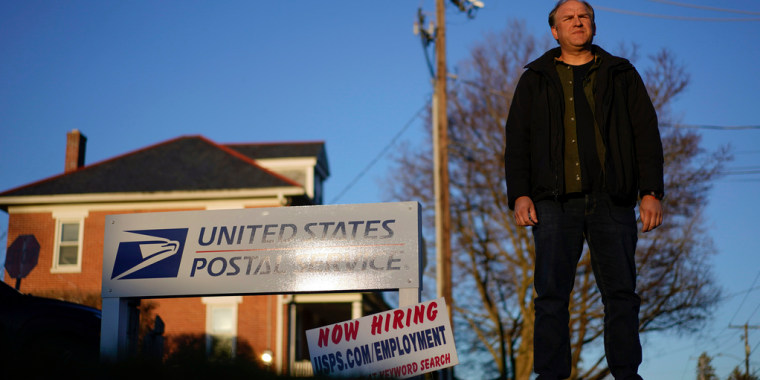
{"x":279,"y":150}
{"x":188,"y":163}
{"x":284,"y":150}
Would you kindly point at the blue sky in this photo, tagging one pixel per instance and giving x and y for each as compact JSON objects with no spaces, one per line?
{"x":134,"y":73}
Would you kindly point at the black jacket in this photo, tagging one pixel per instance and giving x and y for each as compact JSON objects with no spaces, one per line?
{"x":623,"y":111}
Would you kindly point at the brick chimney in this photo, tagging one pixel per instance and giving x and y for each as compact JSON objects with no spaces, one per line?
{"x":75,"y":147}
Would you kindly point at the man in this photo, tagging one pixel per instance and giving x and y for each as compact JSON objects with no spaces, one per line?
{"x":582,"y":147}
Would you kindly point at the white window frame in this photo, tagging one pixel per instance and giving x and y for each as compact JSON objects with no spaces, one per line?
{"x":215,"y":303}
{"x":60,"y":220}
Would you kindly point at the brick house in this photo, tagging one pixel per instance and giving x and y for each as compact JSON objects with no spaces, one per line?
{"x":66,"y":214}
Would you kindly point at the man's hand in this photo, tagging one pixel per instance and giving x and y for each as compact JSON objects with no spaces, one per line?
{"x":525,"y":212}
{"x":650,"y":211}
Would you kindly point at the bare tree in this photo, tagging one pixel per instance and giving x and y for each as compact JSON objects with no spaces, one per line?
{"x":494,"y":258}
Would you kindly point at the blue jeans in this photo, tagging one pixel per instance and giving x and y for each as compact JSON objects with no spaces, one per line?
{"x":611,"y":234}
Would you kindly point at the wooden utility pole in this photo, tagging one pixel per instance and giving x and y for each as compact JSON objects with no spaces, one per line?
{"x":746,"y":328}
{"x":441,"y":165}
{"x":440,"y":148}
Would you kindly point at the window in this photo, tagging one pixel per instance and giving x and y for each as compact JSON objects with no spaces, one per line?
{"x":221,"y":326}
{"x":221,"y":341}
{"x":68,"y":246}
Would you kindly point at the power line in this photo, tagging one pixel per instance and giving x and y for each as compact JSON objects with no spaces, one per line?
{"x":720,"y":340}
{"x":715,"y":127}
{"x":381,"y":154}
{"x":745,"y":297}
{"x":753,"y":312}
{"x":750,"y":180}
{"x":681,"y":18}
{"x":686,"y":5}
{"x":741,"y":172}
{"x":739,"y":293}
{"x":662,"y":124}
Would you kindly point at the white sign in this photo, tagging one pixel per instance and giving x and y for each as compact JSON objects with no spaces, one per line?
{"x":262,"y":250}
{"x":400,"y":343}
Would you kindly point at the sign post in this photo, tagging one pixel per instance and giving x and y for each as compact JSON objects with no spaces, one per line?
{"x":22,"y":257}
{"x":284,"y":250}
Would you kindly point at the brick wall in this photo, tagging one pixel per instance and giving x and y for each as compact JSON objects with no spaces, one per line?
{"x":257,"y":322}
{"x":257,"y":315}
{"x":42,"y":226}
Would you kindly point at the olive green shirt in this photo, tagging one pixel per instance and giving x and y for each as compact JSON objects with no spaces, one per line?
{"x":572,"y":156}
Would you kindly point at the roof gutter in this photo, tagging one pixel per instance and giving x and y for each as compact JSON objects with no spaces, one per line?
{"x":281,"y":193}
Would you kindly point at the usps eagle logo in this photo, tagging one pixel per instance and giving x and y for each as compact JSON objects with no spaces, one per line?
{"x":150,"y":254}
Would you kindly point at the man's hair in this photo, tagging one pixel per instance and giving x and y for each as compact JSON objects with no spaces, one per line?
{"x":560,"y":2}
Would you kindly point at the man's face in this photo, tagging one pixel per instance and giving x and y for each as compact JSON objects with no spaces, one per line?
{"x":573,"y":28}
